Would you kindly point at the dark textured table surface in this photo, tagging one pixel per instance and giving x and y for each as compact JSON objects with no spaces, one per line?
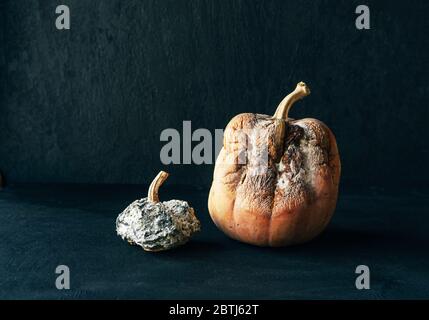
{"x":42,"y":227}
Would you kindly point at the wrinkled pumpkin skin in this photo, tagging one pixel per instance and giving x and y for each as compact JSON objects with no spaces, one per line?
{"x":293,"y":200}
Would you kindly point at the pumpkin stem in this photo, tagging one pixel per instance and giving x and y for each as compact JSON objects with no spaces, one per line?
{"x":154,"y":186}
{"x":300,"y":92}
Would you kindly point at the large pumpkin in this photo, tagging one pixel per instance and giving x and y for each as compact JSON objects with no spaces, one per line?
{"x":276,"y":179}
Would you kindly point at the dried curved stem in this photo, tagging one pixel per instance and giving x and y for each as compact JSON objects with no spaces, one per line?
{"x":154,"y":186}
{"x":300,"y":92}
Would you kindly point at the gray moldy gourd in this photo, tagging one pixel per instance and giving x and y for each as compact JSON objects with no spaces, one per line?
{"x":155,"y":225}
{"x":293,"y":199}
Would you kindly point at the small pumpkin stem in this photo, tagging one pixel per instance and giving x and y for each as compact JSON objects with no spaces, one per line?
{"x":154,"y":186}
{"x":300,"y":92}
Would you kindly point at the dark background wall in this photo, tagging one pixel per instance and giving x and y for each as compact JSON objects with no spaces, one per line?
{"x":88,"y":105}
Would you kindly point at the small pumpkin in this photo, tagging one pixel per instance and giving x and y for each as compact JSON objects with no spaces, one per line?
{"x":156,"y":225}
{"x":287,"y":196}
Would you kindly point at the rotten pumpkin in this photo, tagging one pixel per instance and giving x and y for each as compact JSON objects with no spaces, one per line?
{"x":156,"y":225}
{"x":278,"y":185}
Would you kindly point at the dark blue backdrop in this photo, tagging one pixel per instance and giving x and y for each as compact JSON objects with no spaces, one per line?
{"x":89,"y":104}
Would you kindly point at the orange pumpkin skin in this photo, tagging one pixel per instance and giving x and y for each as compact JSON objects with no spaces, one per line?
{"x":293,"y":198}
